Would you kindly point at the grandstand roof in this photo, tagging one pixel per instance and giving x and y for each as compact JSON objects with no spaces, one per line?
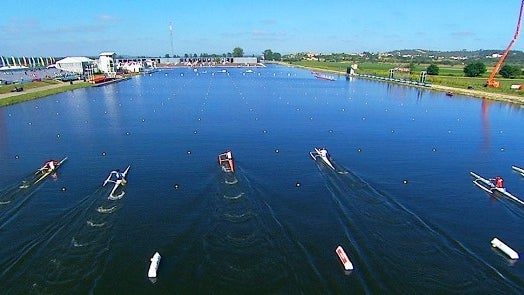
{"x":74,"y":59}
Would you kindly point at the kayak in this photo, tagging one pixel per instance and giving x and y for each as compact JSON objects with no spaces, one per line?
{"x":518,"y":169}
{"x":47,"y":173}
{"x":322,"y":155}
{"x":226,"y":161}
{"x":117,"y":184}
{"x":488,"y":186}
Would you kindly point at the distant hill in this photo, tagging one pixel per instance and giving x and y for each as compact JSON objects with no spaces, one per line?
{"x":515,"y":56}
{"x":418,"y":56}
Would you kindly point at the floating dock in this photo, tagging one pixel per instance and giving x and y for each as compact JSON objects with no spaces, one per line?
{"x":344,"y":258}
{"x":155,"y":261}
{"x":496,"y":243}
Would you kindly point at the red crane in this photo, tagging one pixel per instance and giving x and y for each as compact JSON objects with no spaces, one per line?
{"x":491,"y":80}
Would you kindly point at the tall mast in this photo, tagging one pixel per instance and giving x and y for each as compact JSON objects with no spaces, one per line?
{"x":171,"y":37}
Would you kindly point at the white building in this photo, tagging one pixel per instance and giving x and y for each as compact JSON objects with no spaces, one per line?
{"x":106,"y":63}
{"x":245,"y":60}
{"x":77,"y":64}
{"x":494,"y":55}
{"x":131,"y":66}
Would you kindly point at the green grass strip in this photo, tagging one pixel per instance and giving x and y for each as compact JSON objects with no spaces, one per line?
{"x":38,"y":94}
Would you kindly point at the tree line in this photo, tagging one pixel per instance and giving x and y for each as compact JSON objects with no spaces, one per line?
{"x":237,"y":52}
{"x":476,"y":69}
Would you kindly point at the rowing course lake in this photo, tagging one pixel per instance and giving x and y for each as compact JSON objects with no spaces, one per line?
{"x":406,"y":211}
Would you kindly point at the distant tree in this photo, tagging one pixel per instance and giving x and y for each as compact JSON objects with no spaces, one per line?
{"x":238,"y":52}
{"x":167,"y":55}
{"x":268,"y":54}
{"x":508,"y":71}
{"x":366,"y":54}
{"x":411,"y":67}
{"x":277,"y":56}
{"x":475,"y":69}
{"x":186,"y":55}
{"x":432,"y":69}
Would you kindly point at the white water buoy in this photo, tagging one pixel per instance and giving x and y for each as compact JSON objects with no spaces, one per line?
{"x":496,"y":243}
{"x":344,"y":258}
{"x":155,"y":261}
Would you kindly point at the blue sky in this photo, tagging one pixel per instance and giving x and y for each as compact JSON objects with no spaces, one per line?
{"x":78,"y":28}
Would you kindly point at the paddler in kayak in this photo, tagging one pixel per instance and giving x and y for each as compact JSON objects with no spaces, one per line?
{"x":323,"y":153}
{"x":225,"y":160}
{"x":499,"y":182}
{"x":116,"y":175}
{"x":49,"y":166}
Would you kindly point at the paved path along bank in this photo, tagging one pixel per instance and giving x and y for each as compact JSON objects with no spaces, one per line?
{"x":31,"y":90}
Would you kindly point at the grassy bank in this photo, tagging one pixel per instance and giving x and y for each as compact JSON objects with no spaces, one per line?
{"x":451,"y":76}
{"x":34,"y":90}
{"x":28,"y":85}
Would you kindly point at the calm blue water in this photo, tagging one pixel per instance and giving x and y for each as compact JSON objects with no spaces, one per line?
{"x":406,"y":211}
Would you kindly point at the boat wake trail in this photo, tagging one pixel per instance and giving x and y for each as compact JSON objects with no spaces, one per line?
{"x":240,"y":252}
{"x":69,"y":254}
{"x":385,"y":238}
{"x":14,"y":196}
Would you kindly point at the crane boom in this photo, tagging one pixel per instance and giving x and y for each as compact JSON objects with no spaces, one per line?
{"x":491,"y":79}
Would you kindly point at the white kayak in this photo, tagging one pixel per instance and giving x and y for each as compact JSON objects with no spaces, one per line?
{"x":117,"y":183}
{"x":518,"y":169}
{"x":47,"y":173}
{"x":322,"y":154}
{"x":153,"y":267}
{"x":344,"y":258}
{"x":489,"y":187}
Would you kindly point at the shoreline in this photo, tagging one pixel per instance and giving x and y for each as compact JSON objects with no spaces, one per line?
{"x":515,"y":99}
{"x":10,"y":98}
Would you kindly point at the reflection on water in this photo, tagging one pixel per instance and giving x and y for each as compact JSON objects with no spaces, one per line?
{"x":486,"y":131}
